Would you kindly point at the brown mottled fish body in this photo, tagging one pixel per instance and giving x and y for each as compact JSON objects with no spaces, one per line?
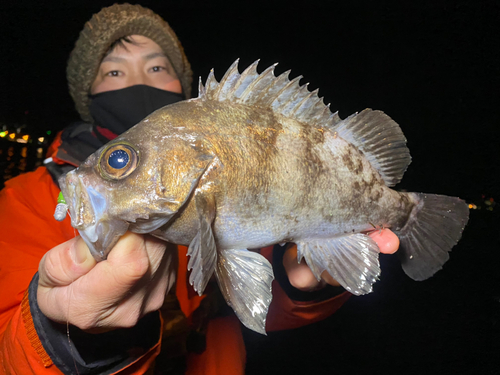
{"x":310,"y":182}
{"x":254,"y":161}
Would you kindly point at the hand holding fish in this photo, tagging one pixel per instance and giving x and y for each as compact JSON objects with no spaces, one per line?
{"x":96,"y":297}
{"x":301,"y":276}
{"x":99,"y":297}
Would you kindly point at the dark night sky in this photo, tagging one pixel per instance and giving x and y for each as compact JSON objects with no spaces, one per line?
{"x":433,"y":66}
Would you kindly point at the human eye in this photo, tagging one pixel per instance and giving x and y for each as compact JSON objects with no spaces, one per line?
{"x":158,"y":69}
{"x":114,"y":73}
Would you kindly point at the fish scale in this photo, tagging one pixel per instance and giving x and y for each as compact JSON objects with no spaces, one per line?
{"x":254,"y":161}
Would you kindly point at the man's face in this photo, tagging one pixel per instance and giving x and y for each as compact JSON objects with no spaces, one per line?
{"x":141,"y":63}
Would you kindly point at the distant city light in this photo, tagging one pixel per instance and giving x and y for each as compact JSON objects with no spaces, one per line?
{"x":41,"y":139}
{"x":49,"y":132}
{"x":483,"y":204}
{"x":3,"y":134}
{"x":12,"y":135}
{"x":26,"y":137}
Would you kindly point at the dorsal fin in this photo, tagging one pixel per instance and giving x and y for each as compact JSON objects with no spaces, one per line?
{"x":380,"y":139}
{"x":373,"y":132}
{"x":283,"y":96}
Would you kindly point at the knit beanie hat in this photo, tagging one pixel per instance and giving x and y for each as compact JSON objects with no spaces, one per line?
{"x":104,"y":28}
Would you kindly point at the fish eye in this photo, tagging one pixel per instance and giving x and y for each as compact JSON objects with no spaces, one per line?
{"x":118,"y":161}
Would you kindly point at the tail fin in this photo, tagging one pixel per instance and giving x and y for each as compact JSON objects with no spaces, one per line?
{"x":435,"y":225}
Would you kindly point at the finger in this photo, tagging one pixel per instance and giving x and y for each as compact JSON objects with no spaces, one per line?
{"x":113,"y":293}
{"x":134,"y":278}
{"x":386,"y":240}
{"x":126,"y":265}
{"x":128,"y":271}
{"x":299,"y":274}
{"x":110,"y":295}
{"x":155,"y":249}
{"x":163,"y":280}
{"x":65,"y":263}
{"x":329,"y":279}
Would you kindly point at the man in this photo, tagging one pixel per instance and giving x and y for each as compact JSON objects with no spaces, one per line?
{"x":76,"y":316}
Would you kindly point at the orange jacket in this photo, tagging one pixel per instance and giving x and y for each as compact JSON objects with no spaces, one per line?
{"x":29,"y":230}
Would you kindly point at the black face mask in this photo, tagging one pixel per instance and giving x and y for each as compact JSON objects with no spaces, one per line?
{"x":119,"y":110}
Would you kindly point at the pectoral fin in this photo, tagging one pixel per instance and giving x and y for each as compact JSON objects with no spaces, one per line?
{"x":245,"y":279}
{"x":352,"y":260}
{"x":202,"y":250}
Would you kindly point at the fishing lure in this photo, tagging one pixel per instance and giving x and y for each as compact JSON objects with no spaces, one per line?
{"x":61,"y":208}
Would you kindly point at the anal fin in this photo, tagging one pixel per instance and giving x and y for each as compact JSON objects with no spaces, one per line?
{"x":352,"y":260}
{"x":245,"y":279}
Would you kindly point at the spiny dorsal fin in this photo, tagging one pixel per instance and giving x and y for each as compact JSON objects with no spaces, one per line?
{"x":283,"y":96}
{"x":380,"y":139}
{"x":373,"y":132}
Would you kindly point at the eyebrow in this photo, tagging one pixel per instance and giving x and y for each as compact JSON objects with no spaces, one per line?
{"x":113,"y":59}
{"x":154,"y":55}
{"x":147,"y":57}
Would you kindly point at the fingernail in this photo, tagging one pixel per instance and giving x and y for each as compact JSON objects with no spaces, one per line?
{"x":80,"y":251}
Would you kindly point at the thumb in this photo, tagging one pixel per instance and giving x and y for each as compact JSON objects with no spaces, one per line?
{"x":386,"y":240}
{"x":65,"y":263}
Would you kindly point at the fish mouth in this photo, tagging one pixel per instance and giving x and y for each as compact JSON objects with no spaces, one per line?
{"x":88,"y":210}
{"x":103,"y":236}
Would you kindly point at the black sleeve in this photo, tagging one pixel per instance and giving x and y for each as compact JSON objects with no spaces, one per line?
{"x":84,"y":353}
{"x":329,"y":291}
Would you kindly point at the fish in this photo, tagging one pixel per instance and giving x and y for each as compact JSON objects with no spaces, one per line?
{"x":257,"y":160}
